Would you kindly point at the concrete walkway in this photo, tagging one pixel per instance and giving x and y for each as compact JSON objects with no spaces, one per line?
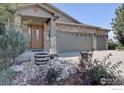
{"x":27,"y":56}
{"x":24,"y":57}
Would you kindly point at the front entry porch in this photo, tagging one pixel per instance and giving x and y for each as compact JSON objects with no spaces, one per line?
{"x":41,"y":33}
{"x":35,"y":28}
{"x":38,"y":23}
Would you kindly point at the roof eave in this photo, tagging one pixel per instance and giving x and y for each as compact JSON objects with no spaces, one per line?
{"x":76,"y":24}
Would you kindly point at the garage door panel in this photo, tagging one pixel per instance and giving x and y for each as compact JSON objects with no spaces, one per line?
{"x":71,"y":42}
{"x":101,"y":43}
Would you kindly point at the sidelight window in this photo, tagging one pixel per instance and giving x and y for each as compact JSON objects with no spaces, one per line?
{"x":29,"y":33}
{"x":37,"y":34}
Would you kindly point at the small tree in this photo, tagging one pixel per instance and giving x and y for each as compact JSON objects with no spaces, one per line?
{"x":118,"y":24}
{"x":12,"y":43}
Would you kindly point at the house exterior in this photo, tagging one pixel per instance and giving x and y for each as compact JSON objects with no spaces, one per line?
{"x":55,"y":31}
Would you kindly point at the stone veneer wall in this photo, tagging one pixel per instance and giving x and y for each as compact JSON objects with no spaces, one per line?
{"x":50,"y":37}
{"x":46,"y":37}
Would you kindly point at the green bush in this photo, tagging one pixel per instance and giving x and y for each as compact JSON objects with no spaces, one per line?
{"x":98,"y":69}
{"x":7,"y":76}
{"x":120,"y":47}
{"x":98,"y":72}
{"x":12,"y":43}
{"x":52,"y":76}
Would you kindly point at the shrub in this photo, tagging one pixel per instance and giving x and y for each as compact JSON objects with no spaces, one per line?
{"x":52,"y":76}
{"x":6,"y":76}
{"x":120,"y":47}
{"x":12,"y":43}
{"x":98,"y":69}
{"x":44,"y":77}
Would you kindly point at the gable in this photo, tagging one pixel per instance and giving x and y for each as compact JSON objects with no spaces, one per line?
{"x":34,"y":10}
{"x":28,"y":9}
{"x":63,"y":16}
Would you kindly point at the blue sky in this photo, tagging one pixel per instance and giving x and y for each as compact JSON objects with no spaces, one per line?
{"x":94,"y":14}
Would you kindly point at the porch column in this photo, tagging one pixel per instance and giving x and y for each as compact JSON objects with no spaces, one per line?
{"x":53,"y":45}
{"x":94,"y":41}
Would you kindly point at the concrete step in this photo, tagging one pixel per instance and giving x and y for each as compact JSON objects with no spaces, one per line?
{"x":37,"y":49}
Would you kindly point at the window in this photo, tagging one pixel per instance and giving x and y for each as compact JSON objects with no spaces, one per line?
{"x":2,"y":28}
{"x":29,"y":33}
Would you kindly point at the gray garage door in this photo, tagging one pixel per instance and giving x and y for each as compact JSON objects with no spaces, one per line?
{"x":101,"y":43}
{"x":70,"y":42}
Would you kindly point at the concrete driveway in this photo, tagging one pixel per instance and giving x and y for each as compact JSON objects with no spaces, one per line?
{"x":116,"y":57}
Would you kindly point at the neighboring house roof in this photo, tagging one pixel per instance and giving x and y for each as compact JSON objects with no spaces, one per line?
{"x":52,"y":11}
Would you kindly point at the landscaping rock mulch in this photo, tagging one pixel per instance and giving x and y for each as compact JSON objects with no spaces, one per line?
{"x":37,"y":74}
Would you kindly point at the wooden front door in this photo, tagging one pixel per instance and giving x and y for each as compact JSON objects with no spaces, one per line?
{"x":36,"y":36}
